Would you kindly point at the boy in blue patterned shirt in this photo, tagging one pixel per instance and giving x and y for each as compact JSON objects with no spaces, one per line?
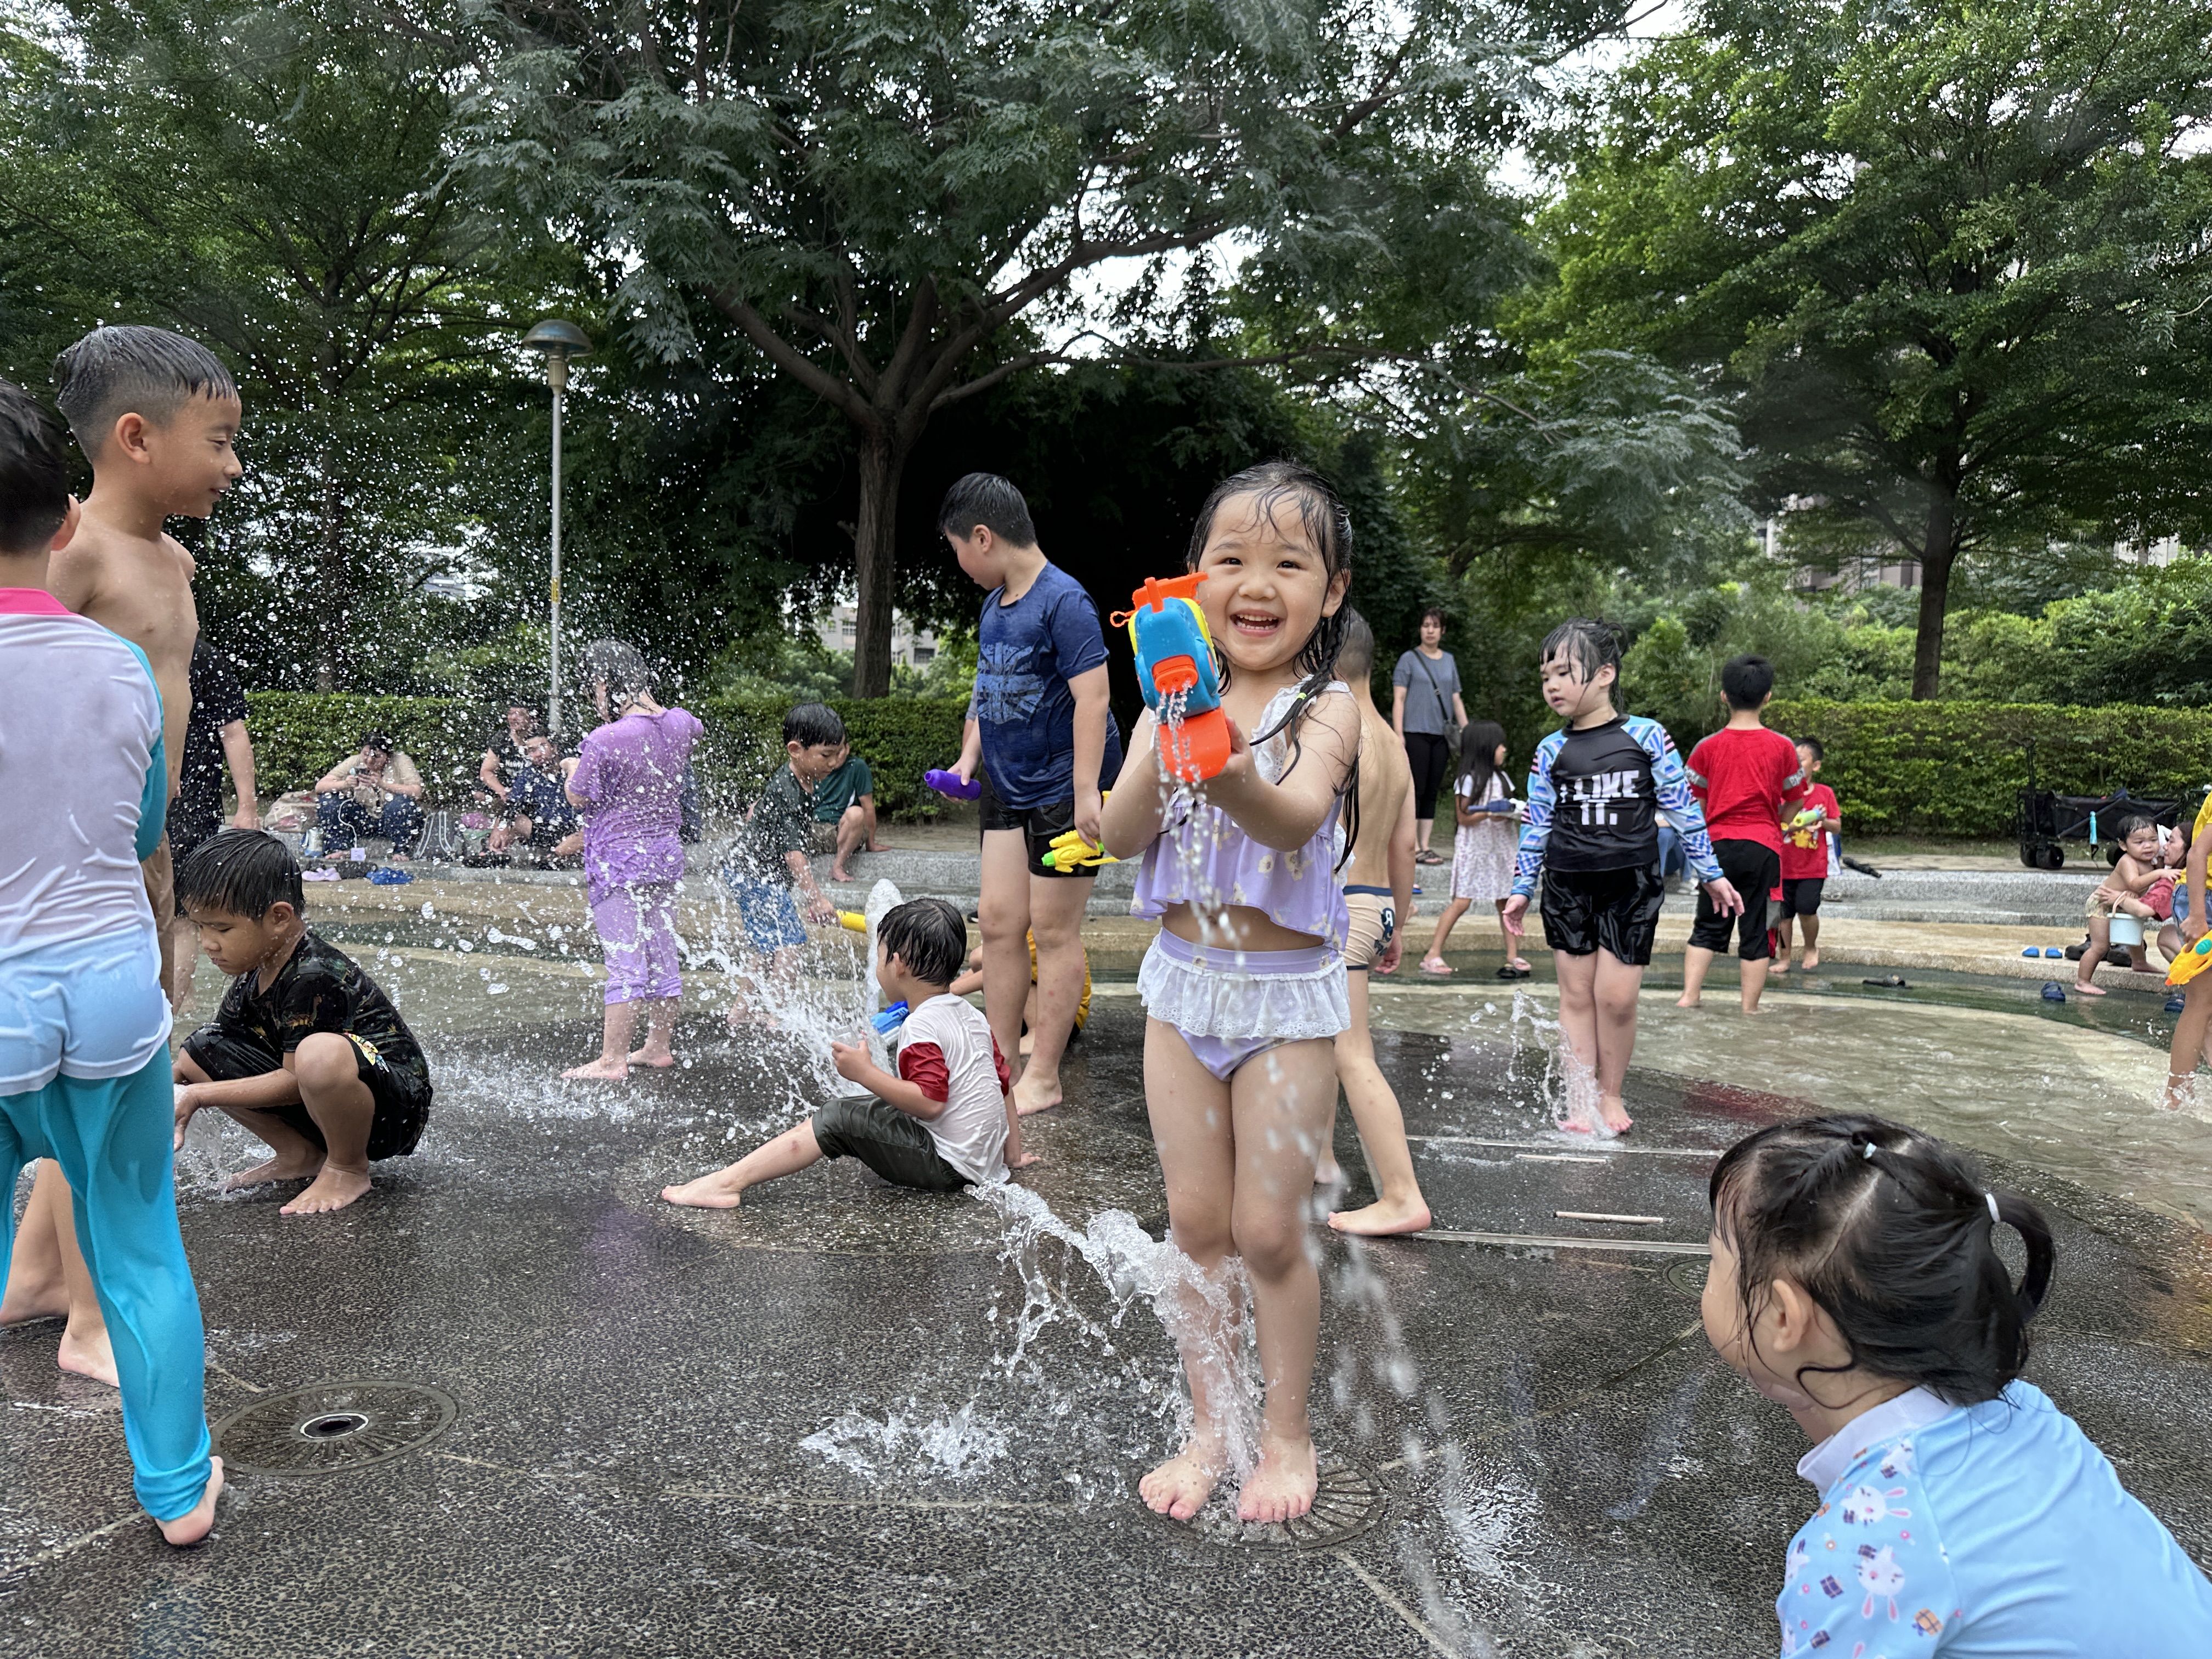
{"x":1595,"y":790}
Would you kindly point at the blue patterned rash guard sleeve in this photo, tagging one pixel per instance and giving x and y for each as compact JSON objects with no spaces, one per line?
{"x":1536,"y":829}
{"x":1670,"y":779}
{"x":1867,"y":1574}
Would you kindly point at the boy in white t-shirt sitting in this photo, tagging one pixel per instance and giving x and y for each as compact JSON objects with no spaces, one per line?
{"x":946,"y":1122}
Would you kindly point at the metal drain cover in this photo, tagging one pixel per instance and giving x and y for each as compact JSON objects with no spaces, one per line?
{"x":1687,"y":1275}
{"x":1348,"y":1501}
{"x":328,"y":1428}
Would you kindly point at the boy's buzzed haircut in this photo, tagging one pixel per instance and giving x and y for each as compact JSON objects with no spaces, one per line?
{"x":1746,"y":681}
{"x":35,"y":473}
{"x":987,"y":498}
{"x":114,"y":371}
{"x":1355,"y":657}
{"x":240,"y":872}
{"x":1819,"y":751}
{"x":928,"y":936}
{"x":813,"y":725}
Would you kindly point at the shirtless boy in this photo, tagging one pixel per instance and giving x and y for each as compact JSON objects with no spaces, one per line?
{"x":1378,"y":895}
{"x":156,"y":414}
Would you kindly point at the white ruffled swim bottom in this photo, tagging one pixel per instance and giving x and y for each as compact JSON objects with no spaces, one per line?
{"x":1231,"y":1004}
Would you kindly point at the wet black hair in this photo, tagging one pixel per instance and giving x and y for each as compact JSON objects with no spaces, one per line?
{"x":35,"y":473}
{"x":1746,"y":681}
{"x":811,"y":725}
{"x":1476,"y":744}
{"x":1893,"y":1234}
{"x":928,"y":936}
{"x":987,"y":498}
{"x":1820,"y":750}
{"x":132,"y":369}
{"x":1327,"y":527}
{"x":1355,"y":656}
{"x":378,"y":741}
{"x":1587,"y":642}
{"x":240,"y":872}
{"x":621,"y":667}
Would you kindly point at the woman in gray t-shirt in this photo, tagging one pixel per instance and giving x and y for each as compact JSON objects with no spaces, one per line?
{"x":1425,"y":705}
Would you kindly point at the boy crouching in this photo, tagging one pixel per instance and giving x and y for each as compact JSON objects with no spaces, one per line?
{"x":306,"y":1051}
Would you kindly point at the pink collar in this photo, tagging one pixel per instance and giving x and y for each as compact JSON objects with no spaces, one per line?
{"x":31,"y":602}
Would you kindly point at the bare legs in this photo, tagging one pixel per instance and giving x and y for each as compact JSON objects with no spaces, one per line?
{"x":788,"y":1154}
{"x":1433,"y":962}
{"x":1696,"y":960}
{"x":1016,"y":905}
{"x":856,"y":830}
{"x":620,"y":1024}
{"x":327,"y":1073}
{"x":1597,"y":1018}
{"x":1398,"y":1206}
{"x":2193,"y":1043}
{"x":2100,"y":941}
{"x":47,"y":1279}
{"x":1239,"y":1157}
{"x":1782,"y":943}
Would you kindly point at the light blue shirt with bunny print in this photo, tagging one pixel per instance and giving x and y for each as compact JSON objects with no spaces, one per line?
{"x":1983,"y":1530}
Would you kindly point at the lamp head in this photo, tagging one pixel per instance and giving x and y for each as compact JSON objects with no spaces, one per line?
{"x":557,"y":340}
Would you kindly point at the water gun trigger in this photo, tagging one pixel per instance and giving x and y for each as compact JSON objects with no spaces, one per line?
{"x":2190,"y":963}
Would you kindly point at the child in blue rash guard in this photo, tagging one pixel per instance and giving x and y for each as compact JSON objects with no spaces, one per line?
{"x":1592,"y":832}
{"x":84,"y":1021}
{"x":1856,"y":1280}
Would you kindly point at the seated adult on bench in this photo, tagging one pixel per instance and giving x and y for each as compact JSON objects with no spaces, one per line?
{"x":539,"y":814}
{"x":377,"y":791}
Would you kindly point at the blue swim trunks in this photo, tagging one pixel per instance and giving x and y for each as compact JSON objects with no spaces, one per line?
{"x":771,"y":919}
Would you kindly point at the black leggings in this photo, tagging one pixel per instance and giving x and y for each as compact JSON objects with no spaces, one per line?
{"x":1429,"y":755}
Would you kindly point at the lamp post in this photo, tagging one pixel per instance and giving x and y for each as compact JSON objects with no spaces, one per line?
{"x":558,"y":341}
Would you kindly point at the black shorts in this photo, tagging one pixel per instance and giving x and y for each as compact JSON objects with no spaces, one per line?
{"x":402,"y":1096}
{"x":1801,"y":895}
{"x":1754,"y":870}
{"x":1038,"y":825}
{"x":1586,"y":911}
{"x":897,"y":1147}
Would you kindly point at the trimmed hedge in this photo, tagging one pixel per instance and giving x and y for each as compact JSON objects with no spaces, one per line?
{"x":1957,"y":768}
{"x":299,"y":736}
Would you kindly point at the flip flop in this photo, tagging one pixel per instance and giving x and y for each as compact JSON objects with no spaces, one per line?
{"x":1438,"y":972}
{"x":1509,"y":971}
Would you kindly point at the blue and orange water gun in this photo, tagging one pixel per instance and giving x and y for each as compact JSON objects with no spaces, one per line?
{"x":1174,"y":665}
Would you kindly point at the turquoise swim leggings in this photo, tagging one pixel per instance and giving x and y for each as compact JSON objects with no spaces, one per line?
{"x":112,"y":1137}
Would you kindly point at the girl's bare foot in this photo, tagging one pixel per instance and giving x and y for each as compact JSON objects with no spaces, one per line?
{"x":1436,"y":965}
{"x":1042,"y":1096}
{"x":88,"y":1354}
{"x":276,"y":1169}
{"x":333,"y":1189}
{"x":717,"y":1191}
{"x":1686,"y":1000}
{"x":601,"y":1070}
{"x":2085,"y":988}
{"x":197,"y":1522}
{"x":1382,"y":1219}
{"x":2180,"y":1093}
{"x":1282,"y":1487}
{"x":1179,"y":1488}
{"x":1811,"y":962}
{"x":1614,"y":1115}
{"x":1520,"y":965}
{"x":660,"y":1059}
{"x":24,"y":1301}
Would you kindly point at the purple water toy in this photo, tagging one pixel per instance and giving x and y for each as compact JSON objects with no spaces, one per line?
{"x":949,"y":785}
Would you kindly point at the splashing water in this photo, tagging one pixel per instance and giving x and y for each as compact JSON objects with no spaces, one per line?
{"x":949,"y":1444}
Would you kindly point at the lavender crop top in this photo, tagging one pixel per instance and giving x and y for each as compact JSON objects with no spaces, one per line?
{"x":1204,"y":859}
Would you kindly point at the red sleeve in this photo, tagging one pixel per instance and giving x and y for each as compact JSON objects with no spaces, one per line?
{"x":922,"y":1064}
{"x":998,"y":1065}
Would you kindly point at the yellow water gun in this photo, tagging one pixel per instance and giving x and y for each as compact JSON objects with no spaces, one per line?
{"x":853,"y":921}
{"x":2190,"y":963}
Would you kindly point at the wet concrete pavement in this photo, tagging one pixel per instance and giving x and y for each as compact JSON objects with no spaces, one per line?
{"x":848,"y":1420}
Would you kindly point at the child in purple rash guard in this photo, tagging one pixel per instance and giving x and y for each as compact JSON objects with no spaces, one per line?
{"x":629,"y":782}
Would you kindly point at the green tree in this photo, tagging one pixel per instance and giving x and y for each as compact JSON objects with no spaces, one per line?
{"x":276,"y":182}
{"x":899,"y":204}
{"x":1949,"y":260}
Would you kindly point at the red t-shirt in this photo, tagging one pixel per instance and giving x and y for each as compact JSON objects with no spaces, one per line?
{"x":1805,"y":852}
{"x":1742,"y":775}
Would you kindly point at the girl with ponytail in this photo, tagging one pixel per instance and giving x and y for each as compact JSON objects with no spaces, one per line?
{"x":1856,"y":1281}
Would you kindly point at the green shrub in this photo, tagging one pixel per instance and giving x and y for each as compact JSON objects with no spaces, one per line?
{"x":1957,"y":768}
{"x":299,"y":736}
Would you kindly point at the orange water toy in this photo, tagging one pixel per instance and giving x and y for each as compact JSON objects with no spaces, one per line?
{"x":1176,"y":673}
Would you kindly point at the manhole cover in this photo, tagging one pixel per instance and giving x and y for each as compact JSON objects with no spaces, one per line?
{"x":1348,"y":1501}
{"x":327,"y":1428}
{"x":1687,"y":1275}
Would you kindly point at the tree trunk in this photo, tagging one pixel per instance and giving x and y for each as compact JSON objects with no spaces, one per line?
{"x":1941,"y":549}
{"x":875,"y":557}
{"x":331,"y":586}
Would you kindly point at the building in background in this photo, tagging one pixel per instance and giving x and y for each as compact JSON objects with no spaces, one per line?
{"x":838,"y":629}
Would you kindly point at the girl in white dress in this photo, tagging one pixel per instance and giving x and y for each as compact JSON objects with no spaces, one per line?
{"x":1482,"y":849}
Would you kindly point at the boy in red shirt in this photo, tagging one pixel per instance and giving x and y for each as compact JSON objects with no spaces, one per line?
{"x":1805,"y":859}
{"x":1744,"y":776}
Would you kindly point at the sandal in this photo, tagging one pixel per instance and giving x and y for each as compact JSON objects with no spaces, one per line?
{"x":1509,"y":971}
{"x":1436,"y":967}
{"x":1428,"y":855}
